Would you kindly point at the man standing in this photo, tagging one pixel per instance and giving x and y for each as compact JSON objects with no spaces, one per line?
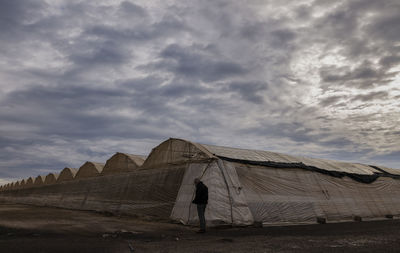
{"x":201,"y":200}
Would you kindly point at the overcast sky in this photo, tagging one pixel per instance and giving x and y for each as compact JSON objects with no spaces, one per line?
{"x":81,"y":80}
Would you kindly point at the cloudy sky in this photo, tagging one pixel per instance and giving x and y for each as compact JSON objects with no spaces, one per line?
{"x":81,"y":80}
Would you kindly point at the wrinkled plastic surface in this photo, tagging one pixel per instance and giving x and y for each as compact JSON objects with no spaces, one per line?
{"x":258,"y":155}
{"x":277,"y":196}
{"x":150,"y":193}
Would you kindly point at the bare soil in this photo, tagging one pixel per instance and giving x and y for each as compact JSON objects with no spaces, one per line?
{"x":43,"y":229}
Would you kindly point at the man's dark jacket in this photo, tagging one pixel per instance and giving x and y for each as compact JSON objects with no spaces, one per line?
{"x":201,"y":197}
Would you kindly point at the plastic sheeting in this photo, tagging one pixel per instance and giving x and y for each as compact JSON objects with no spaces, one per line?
{"x":143,"y":193}
{"x":387,"y":170}
{"x":51,"y":178}
{"x":29,"y":182}
{"x":290,"y":196}
{"x":121,"y":162}
{"x":22,"y":183}
{"x":364,"y":178}
{"x":67,"y":174}
{"x":16,"y":185}
{"x":226,"y":203}
{"x":176,"y":151}
{"x":261,"y":156}
{"x":39,"y":180}
{"x":89,"y":169}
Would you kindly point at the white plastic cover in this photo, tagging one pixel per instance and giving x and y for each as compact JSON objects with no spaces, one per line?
{"x":226,"y":203}
{"x":265,"y":156}
{"x":279,"y":196}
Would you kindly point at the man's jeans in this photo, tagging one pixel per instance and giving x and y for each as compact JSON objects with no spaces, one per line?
{"x":200,"y":211}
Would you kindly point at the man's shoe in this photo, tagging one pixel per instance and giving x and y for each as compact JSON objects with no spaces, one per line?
{"x":201,"y":231}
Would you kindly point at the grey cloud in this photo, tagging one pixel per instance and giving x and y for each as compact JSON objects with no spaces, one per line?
{"x":381,"y":95}
{"x":150,"y":96}
{"x":339,"y":23}
{"x":295,"y":131}
{"x":198,"y":62}
{"x":181,"y":90}
{"x":143,"y":32}
{"x":274,"y":32}
{"x":350,"y":155}
{"x":364,"y":76}
{"x":303,"y":12}
{"x":358,"y":48}
{"x":141,"y":84}
{"x":15,"y":14}
{"x":175,"y":99}
{"x":253,"y":31}
{"x":28,"y":162}
{"x":331,"y":100}
{"x":282,"y":37}
{"x":360,"y":31}
{"x":180,"y":101}
{"x":390,"y":61}
{"x":337,"y":142}
{"x":61,"y":110}
{"x":69,"y":112}
{"x":348,"y":19}
{"x":108,"y":32}
{"x":18,"y":27}
{"x":105,"y":53}
{"x":386,"y":27}
{"x":249,"y":91}
{"x":132,"y":9}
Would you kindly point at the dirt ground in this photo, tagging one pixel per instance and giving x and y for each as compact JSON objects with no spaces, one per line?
{"x":42,"y":229}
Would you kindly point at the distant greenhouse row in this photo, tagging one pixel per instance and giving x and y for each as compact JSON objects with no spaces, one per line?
{"x":118,"y":163}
